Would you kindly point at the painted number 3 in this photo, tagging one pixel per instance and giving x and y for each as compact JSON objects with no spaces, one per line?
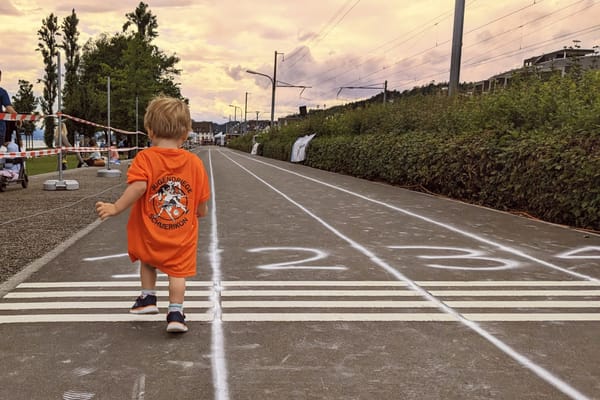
{"x":458,"y":253}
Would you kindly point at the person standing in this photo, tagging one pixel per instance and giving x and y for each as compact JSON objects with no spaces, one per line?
{"x":66,"y":143}
{"x":5,"y":106}
{"x":168,"y":188}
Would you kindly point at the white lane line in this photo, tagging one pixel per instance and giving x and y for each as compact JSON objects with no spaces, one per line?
{"x":406,"y":317}
{"x":219,"y":364}
{"x":311,"y":283}
{"x":327,"y":304}
{"x":540,"y":371}
{"x":96,"y":293}
{"x":124,"y":317}
{"x":534,"y":317}
{"x":62,"y":305}
{"x":353,"y":293}
{"x":406,"y":304}
{"x":108,"y":257}
{"x":85,"y":284}
{"x":480,"y":293}
{"x":508,"y":283}
{"x":525,"y":304}
{"x":404,"y":284}
{"x":347,"y":317}
{"x":451,"y":228}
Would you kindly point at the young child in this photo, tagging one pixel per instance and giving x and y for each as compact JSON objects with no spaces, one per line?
{"x":168,"y":188}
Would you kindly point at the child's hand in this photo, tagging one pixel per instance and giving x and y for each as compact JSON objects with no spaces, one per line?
{"x":202,"y":210}
{"x":105,"y":210}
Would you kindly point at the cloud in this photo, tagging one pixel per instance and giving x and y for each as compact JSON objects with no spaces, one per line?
{"x":236,"y":73}
{"x":7,"y":8}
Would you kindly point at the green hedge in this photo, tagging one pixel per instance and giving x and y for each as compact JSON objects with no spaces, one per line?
{"x":534,"y":147}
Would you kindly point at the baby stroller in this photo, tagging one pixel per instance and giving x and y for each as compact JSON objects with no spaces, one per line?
{"x":12,"y":170}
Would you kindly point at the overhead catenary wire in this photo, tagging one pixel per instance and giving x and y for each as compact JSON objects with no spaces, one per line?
{"x":472,"y":61}
{"x":379,"y":73}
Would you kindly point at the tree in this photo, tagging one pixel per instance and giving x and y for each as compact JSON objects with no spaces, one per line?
{"x":26,"y":102}
{"x":71,"y":104}
{"x":145,"y":22}
{"x":136,"y":67}
{"x":48,"y":46}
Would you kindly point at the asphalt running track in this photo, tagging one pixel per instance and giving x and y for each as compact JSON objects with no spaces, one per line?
{"x":315,"y":285}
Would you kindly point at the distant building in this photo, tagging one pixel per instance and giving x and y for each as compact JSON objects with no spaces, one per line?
{"x":203,"y":131}
{"x":559,"y":61}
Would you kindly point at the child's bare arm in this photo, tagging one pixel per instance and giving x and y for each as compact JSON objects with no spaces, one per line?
{"x":133,"y":192}
{"x":202,"y":209}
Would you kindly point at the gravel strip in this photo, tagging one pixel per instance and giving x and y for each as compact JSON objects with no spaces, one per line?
{"x":35,"y":221}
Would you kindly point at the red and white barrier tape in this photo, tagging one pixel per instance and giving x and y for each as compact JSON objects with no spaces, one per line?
{"x":49,"y":152}
{"x":36,"y":117}
{"x":83,"y":121}
{"x":32,"y":153}
{"x":19,"y":117}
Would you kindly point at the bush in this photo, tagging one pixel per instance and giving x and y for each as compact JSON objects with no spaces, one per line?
{"x":534,"y":147}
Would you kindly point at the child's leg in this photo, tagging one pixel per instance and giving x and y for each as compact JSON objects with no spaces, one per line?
{"x":176,"y":290}
{"x":175,"y":316}
{"x":147,"y":276}
{"x":146,"y":302}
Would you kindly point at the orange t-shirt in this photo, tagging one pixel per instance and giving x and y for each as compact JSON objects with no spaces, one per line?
{"x":163,"y":228}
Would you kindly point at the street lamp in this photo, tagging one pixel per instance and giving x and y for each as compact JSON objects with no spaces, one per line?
{"x":273,"y":93}
{"x":235,"y":112}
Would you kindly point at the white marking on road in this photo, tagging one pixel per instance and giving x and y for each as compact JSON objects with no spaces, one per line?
{"x":296,"y":264}
{"x":327,"y":304}
{"x":96,"y":284}
{"x":78,"y":395}
{"x":451,"y":228}
{"x":219,"y":365}
{"x":347,"y":317}
{"x":354,"y":293}
{"x":96,"y":293}
{"x":408,"y":304}
{"x":129,"y":276}
{"x":404,"y":284}
{"x":122,"y":317}
{"x":62,"y":305}
{"x":580,"y":254}
{"x":311,"y":283}
{"x":108,"y":257}
{"x":139,"y":388}
{"x":520,"y":358}
{"x":498,"y":264}
{"x":486,"y":293}
{"x":390,"y":317}
{"x":534,"y":317}
{"x":85,"y":284}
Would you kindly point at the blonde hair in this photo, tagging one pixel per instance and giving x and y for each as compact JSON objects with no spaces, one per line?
{"x":168,"y":117}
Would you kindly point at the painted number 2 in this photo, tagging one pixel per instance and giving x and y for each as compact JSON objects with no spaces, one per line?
{"x":313,"y":255}
{"x":495,"y":264}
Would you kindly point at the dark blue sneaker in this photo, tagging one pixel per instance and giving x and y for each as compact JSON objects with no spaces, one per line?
{"x":176,"y":322}
{"x":146,"y":305}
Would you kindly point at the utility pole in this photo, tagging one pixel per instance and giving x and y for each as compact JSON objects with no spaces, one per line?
{"x":459,"y":18}
{"x":245,"y":114}
{"x":274,"y":82}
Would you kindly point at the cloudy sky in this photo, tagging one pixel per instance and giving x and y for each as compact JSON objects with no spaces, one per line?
{"x":326,"y":45}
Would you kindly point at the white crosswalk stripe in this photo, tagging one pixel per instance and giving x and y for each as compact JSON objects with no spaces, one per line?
{"x":108,"y":301}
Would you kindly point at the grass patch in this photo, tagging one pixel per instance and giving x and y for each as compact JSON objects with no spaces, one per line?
{"x":45,"y":164}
